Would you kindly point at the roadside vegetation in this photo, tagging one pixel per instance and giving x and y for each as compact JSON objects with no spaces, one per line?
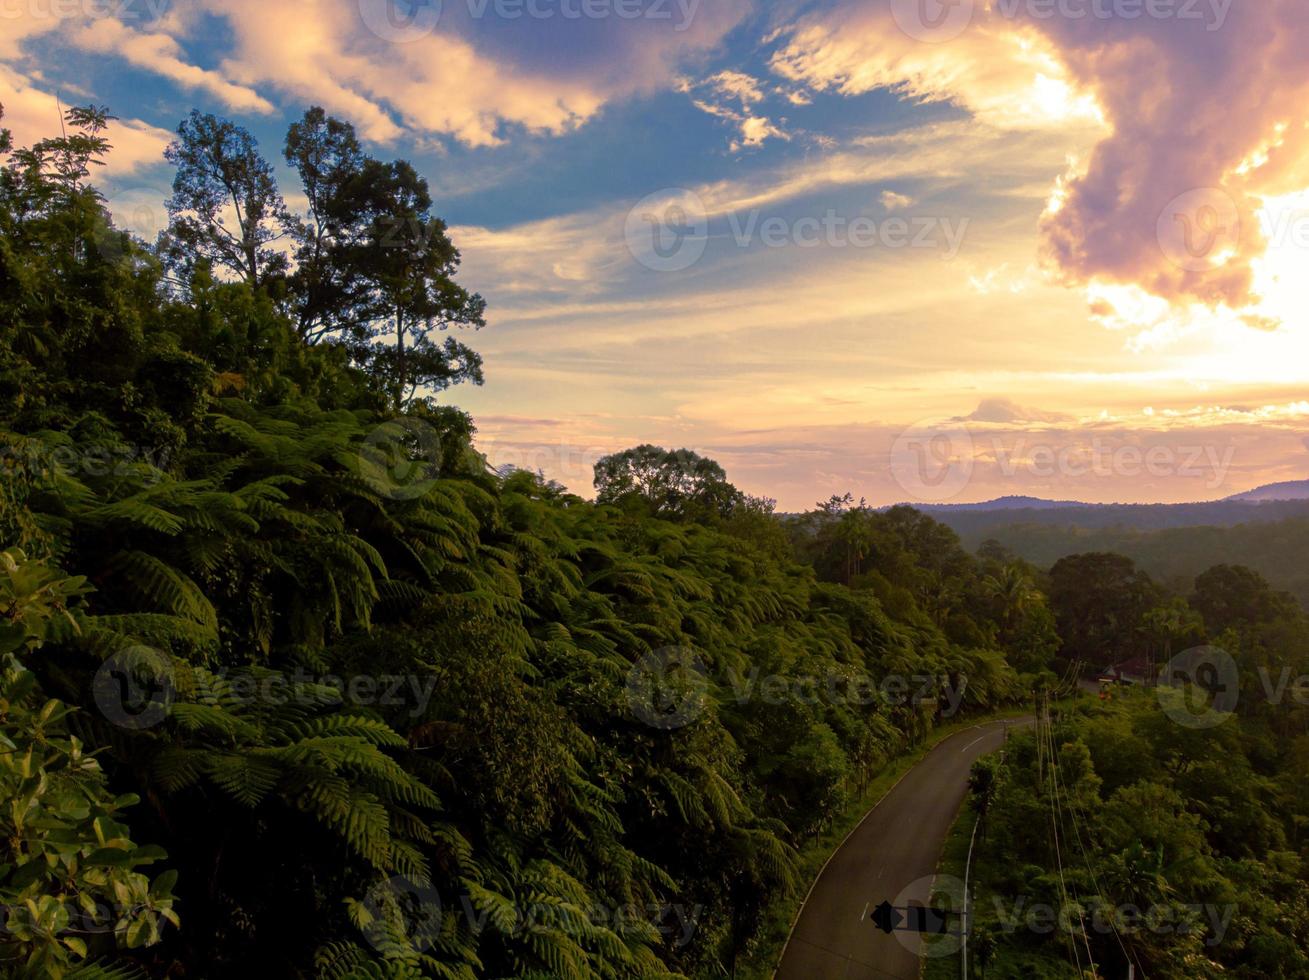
{"x":1155,"y":829}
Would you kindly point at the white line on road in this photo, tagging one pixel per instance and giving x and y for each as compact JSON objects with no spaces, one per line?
{"x":971,"y":744}
{"x":864,"y":913}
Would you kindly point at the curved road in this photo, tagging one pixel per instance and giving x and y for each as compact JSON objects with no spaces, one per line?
{"x":898,"y":844}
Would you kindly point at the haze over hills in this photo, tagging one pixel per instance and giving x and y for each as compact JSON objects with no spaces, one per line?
{"x":1266,"y":528}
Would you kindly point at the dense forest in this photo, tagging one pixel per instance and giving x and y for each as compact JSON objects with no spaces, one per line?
{"x":297,"y":684}
{"x":1174,"y":556}
{"x":1161,"y":848}
{"x":1160,"y":830}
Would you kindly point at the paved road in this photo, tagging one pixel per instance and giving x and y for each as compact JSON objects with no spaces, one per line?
{"x":897,"y":845}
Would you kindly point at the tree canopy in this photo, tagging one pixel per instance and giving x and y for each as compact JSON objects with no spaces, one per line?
{"x":358,"y":705}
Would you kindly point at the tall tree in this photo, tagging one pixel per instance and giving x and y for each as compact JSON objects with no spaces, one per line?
{"x":409,"y":261}
{"x":225,"y":210}
{"x":673,"y":483}
{"x":1237,"y":597}
{"x":1013,"y":593}
{"x":325,"y":296}
{"x":66,"y":160}
{"x":1099,"y":602}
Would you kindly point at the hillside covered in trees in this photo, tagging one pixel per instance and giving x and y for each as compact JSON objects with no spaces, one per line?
{"x":296,"y":684}
{"x":1271,"y":545}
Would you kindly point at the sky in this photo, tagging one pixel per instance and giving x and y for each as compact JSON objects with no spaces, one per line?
{"x":917,"y":250}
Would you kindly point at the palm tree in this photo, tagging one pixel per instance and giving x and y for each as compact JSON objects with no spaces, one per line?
{"x":1013,"y":590}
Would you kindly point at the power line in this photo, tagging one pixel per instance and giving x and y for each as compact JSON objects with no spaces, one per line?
{"x":1042,"y":716}
{"x":1130,"y":956}
{"x":1057,"y":813}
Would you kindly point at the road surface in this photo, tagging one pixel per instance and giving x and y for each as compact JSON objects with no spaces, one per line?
{"x":898,"y":845}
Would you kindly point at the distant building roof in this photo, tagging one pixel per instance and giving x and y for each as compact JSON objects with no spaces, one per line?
{"x":1129,"y":671}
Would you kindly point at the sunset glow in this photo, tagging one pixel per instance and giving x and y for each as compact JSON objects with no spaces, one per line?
{"x":1032,"y":170}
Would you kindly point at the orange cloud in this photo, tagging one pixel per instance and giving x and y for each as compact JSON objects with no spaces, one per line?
{"x":32,"y":114}
{"x":160,"y":53}
{"x":1201,"y":121}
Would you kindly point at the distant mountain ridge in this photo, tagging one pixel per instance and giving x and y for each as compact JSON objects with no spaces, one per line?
{"x":1006,"y":503}
{"x":1269,"y":492}
{"x":976,"y":522}
{"x":1291,"y":490}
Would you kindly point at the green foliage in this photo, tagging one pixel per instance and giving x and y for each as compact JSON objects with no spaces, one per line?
{"x":1179,"y":838}
{"x":354,"y":666}
{"x":1269,"y":537}
{"x":1100,"y":602}
{"x":674,"y":484}
{"x":69,"y":879}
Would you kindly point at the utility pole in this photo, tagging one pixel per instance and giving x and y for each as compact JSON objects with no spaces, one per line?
{"x":967,"y":919}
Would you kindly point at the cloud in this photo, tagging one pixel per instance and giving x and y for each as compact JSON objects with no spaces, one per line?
{"x":456,"y":80}
{"x":468,"y":75}
{"x":756,"y":129}
{"x":1201,"y":116}
{"x":33,"y":115}
{"x":1006,"y":410}
{"x":578,"y":264}
{"x":895,"y":202}
{"x":727,"y":87}
{"x":161,"y":54}
{"x":738,"y":85}
{"x":1190,"y":154}
{"x":1002,"y":77}
{"x":143,"y":43}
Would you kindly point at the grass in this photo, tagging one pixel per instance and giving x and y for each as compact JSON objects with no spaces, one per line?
{"x":780,"y":916}
{"x":954,"y":856}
